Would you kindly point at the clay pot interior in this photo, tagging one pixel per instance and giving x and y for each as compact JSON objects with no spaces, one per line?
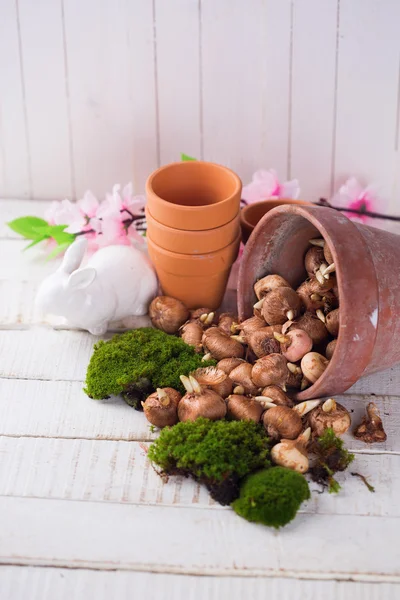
{"x":278,"y":245}
{"x":194,"y":183}
{"x":193,"y":195}
{"x":251,"y":214}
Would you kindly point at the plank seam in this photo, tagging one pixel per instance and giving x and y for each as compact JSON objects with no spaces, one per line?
{"x":23,"y":89}
{"x":374,"y":452}
{"x":210,"y":572}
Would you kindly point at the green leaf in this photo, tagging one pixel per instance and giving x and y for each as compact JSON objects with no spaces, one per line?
{"x":27,"y":226}
{"x":186,"y":157}
{"x":62,"y":237}
{"x":58,"y":250}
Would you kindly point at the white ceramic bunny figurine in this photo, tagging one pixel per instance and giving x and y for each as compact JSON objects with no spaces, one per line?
{"x":117,"y":282}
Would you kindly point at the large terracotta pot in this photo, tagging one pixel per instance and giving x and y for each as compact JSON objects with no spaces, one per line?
{"x":193,"y":195}
{"x":196,"y":280}
{"x":251,"y":214}
{"x":368,"y":271}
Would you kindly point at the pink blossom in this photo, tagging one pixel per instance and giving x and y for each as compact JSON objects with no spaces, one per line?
{"x":357,"y":197}
{"x":76,"y":215}
{"x":265,"y":185}
{"x":115,"y":214}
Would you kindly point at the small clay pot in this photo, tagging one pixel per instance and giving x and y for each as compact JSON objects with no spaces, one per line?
{"x":196,"y":280}
{"x":193,"y":195}
{"x":251,"y":214}
{"x":192,"y":242}
{"x":367,"y":264}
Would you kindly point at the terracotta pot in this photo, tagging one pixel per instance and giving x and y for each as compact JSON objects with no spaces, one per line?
{"x":368,"y":271}
{"x":250,"y":215}
{"x":193,"y":195}
{"x":192,"y":242}
{"x":197,"y":280}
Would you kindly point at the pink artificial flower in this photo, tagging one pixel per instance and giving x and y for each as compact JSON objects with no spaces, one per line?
{"x":115,"y":212}
{"x":353,"y":195}
{"x":74,"y":214}
{"x":265,"y":185}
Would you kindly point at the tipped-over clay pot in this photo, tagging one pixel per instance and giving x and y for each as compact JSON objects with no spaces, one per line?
{"x":368,"y":273}
{"x":193,"y":195}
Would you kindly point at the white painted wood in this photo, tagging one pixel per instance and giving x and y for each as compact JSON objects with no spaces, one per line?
{"x":41,"y":583}
{"x":146,"y":538}
{"x":62,"y":409}
{"x":19,"y":266}
{"x":143,"y":99}
{"x":178,"y":78}
{"x":116,"y":471}
{"x":313,"y":96}
{"x":46,"y":94}
{"x":246,"y":81}
{"x":367,"y":101}
{"x":15,"y":178}
{"x":105,"y":83}
{"x":112,"y":88}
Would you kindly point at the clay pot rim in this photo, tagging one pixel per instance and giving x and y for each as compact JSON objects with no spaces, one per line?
{"x":346,"y":334}
{"x":195,"y":257}
{"x":248,"y":208}
{"x":191,"y":232}
{"x":196,"y":217}
{"x":189,"y":165}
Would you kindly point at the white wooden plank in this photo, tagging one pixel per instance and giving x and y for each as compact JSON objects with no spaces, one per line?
{"x":18,"y":266}
{"x":140,"y":32}
{"x":368,"y":71}
{"x":313,"y":95}
{"x":89,"y":470}
{"x":99,"y":94}
{"x":46,"y":98}
{"x":62,"y":409}
{"x":178,"y":78}
{"x":112,"y":92}
{"x":14,"y":144}
{"x":111,"y":471}
{"x":246,"y":85}
{"x":70,"y":352}
{"x":108,"y":536}
{"x":41,"y":583}
{"x":12,"y":209}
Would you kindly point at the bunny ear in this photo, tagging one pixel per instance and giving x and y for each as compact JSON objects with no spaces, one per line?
{"x":74,"y":255}
{"x":81,"y":278}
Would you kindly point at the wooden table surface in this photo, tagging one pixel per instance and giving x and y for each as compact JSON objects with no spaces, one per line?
{"x":83,"y":515}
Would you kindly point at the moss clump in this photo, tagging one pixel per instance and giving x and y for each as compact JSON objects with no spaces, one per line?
{"x":216,"y":453}
{"x":331,"y":456}
{"x":272,"y":497}
{"x":135,"y":363}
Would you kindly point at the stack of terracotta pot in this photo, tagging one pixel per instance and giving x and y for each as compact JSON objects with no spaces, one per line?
{"x":193,"y":230}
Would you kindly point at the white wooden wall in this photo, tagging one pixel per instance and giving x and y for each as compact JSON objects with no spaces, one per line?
{"x":94,"y":92}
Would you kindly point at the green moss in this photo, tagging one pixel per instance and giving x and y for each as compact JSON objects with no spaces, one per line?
{"x":331,"y":456}
{"x":137,"y":362}
{"x":272,"y":497}
{"x":217,"y":453}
